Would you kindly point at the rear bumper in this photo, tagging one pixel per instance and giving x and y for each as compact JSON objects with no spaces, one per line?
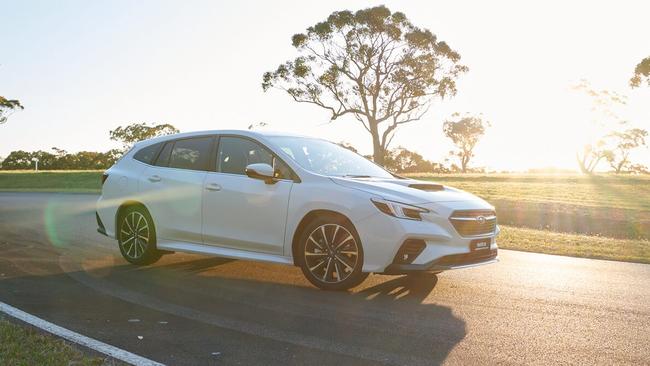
{"x":447,"y":262}
{"x":100,"y":225}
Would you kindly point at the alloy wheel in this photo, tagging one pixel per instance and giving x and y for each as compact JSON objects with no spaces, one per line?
{"x":331,"y":253}
{"x":134,"y":235}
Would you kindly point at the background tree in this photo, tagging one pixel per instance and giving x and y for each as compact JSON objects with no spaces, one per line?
{"x":135,"y":132}
{"x":641,"y":73}
{"x":8,"y":107}
{"x":624,"y":143}
{"x":464,"y":131}
{"x":372,"y":64}
{"x":591,"y":155}
{"x":17,"y":160}
{"x":402,"y":160}
{"x":61,"y":160}
{"x":606,"y":121}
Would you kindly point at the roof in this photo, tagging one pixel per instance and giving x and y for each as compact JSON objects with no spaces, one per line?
{"x":248,"y":133}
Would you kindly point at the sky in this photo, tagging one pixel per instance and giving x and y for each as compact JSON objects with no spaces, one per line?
{"x":82,"y":68}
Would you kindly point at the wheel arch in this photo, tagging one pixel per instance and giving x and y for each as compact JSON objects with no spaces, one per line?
{"x":306,"y":220}
{"x":127,"y":204}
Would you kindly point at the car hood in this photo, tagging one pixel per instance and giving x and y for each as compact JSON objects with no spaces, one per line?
{"x":410,"y":191}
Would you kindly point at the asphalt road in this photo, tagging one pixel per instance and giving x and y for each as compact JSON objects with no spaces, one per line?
{"x":195,"y":310}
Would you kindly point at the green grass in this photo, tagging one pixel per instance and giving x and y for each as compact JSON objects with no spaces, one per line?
{"x":611,"y":191}
{"x":615,"y":206}
{"x":21,"y":345}
{"x":584,"y":246}
{"x":51,"y":181}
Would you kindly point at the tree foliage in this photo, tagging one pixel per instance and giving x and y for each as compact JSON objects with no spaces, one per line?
{"x":135,"y":132}
{"x":402,"y":160}
{"x":60,"y":160}
{"x":591,"y":155}
{"x":604,"y":103}
{"x":641,"y":73}
{"x":372,"y":64}
{"x":465,"y":132}
{"x":8,"y":107}
{"x":624,"y":142}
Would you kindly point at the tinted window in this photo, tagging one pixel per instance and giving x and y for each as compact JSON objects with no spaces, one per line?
{"x":236,"y":153}
{"x":191,"y":154}
{"x":163,"y":157}
{"x":147,"y":154}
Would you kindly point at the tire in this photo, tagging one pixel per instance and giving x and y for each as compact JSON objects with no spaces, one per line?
{"x":331,"y":254}
{"x":136,"y":236}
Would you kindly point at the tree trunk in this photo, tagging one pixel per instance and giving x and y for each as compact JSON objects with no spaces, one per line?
{"x":378,"y":152}
{"x":582,"y":164}
{"x":464,"y":161}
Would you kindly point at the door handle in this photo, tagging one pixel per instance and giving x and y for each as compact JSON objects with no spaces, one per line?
{"x":154,"y":178}
{"x":213,"y":187}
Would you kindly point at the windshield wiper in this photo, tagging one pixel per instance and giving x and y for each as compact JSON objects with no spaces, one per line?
{"x":356,"y":176}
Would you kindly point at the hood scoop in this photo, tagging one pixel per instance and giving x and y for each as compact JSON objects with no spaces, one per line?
{"x":427,"y":187}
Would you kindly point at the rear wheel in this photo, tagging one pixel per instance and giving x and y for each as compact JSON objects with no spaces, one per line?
{"x":137,"y":236}
{"x":331,"y":255}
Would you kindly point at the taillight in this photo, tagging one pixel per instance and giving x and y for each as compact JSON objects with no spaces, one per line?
{"x":104,"y":177}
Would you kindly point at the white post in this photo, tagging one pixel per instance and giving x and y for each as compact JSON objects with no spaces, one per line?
{"x":35,"y":160}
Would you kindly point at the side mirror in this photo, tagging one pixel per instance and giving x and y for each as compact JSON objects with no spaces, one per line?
{"x":261,"y":171}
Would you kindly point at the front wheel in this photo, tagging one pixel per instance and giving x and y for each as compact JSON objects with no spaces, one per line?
{"x":137,"y":236}
{"x":331,"y":256}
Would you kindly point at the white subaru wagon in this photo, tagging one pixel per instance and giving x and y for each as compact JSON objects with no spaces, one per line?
{"x":288,"y":199}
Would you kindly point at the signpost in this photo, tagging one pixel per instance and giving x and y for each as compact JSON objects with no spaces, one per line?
{"x":35,"y":160}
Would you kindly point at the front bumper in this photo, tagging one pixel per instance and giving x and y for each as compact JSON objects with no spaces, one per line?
{"x":447,"y":262}
{"x":443,"y":247}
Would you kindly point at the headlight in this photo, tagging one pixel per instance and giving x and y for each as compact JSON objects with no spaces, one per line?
{"x":400,"y":210}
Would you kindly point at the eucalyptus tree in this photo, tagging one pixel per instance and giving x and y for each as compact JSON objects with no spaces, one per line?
{"x":465,"y":132}
{"x":8,"y":107}
{"x":372,"y":64}
{"x":641,"y":73}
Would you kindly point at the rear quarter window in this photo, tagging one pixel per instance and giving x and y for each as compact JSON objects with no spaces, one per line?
{"x":147,"y":153}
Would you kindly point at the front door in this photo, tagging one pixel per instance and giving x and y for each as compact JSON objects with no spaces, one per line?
{"x":241,"y":212}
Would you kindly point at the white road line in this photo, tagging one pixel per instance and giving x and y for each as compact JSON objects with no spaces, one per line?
{"x":77,"y":338}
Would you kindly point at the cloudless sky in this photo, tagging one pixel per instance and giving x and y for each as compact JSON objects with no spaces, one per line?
{"x":82,"y":68}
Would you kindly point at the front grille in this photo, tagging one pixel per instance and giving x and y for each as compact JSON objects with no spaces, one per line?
{"x":474,"y":222}
{"x":466,"y":258}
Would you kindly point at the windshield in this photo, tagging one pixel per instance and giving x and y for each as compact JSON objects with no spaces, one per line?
{"x":326,"y":158}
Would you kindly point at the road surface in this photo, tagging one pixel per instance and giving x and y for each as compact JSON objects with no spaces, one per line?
{"x":196,"y":310}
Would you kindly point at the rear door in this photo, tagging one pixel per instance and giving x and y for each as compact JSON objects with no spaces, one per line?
{"x":172,"y":189}
{"x":241,"y":212}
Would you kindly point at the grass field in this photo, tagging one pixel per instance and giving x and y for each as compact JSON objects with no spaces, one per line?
{"x":607,"y":205}
{"x":606,"y":217}
{"x":599,"y":191}
{"x":51,"y":181}
{"x":20,"y":345}
{"x":573,"y":245}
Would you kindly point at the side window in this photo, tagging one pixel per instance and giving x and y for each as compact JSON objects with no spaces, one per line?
{"x":163,"y":157}
{"x":192,"y":154}
{"x":147,"y":154}
{"x":236,"y":153}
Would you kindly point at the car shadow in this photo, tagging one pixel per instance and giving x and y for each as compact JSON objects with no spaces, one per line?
{"x":387,"y":318}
